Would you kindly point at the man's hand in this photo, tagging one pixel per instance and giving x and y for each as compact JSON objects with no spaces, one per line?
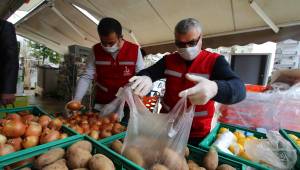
{"x":202,"y":92}
{"x":7,"y":99}
{"x":141,"y":85}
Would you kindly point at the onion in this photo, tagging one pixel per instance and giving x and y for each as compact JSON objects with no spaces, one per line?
{"x":16,"y":143}
{"x":34,"y":129}
{"x":13,"y":128}
{"x":3,"y":140}
{"x":85,"y":127}
{"x":105,"y":133}
{"x":106,"y":120}
{"x":78,"y":129}
{"x":74,"y":105}
{"x":55,"y":124}
{"x":23,"y":113}
{"x":6,"y":149}
{"x":63,"y":135}
{"x":44,"y":121}
{"x":28,"y":118}
{"x":94,"y":134}
{"x":30,"y":141}
{"x":113,"y":117}
{"x":13,"y":116}
{"x":108,"y":126}
{"x":117,"y":128}
{"x":49,"y":136}
{"x":95,"y":127}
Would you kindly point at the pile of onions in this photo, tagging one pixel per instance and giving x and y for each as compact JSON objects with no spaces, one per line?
{"x":94,"y":125}
{"x":49,"y":135}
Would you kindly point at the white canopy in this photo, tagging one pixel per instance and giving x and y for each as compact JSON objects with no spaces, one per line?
{"x":151,"y":22}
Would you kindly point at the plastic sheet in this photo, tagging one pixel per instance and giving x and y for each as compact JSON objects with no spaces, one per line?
{"x":157,"y":138}
{"x":273,"y":110}
{"x":274,"y":151}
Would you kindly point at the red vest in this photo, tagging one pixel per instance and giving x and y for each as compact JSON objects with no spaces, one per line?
{"x":112,"y":74}
{"x":176,"y":69}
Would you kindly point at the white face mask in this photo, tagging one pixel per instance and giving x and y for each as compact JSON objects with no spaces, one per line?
{"x":189,"y":53}
{"x":111,"y":49}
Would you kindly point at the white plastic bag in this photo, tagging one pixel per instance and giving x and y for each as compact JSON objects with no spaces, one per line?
{"x":157,"y":138}
{"x":274,"y":151}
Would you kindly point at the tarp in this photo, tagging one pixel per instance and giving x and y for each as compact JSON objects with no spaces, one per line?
{"x":151,"y":22}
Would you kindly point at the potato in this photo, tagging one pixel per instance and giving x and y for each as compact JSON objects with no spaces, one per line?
{"x":134,"y":155}
{"x":57,"y":165}
{"x":186,"y":152}
{"x":101,"y":162}
{"x":225,"y":167}
{"x":159,"y":167}
{"x":211,"y":160}
{"x":78,"y":158}
{"x":86,"y":145}
{"x":81,"y":169}
{"x":193,"y":166}
{"x":49,"y":157}
{"x":117,"y":146}
{"x":173,"y":160}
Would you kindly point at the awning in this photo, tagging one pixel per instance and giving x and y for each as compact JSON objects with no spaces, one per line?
{"x":8,"y":7}
{"x":151,"y":22}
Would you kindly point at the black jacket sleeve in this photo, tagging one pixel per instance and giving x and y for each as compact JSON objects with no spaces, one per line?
{"x":9,"y":60}
{"x":231,"y":88}
{"x":156,"y":71}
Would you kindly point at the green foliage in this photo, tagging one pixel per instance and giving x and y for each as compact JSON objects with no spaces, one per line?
{"x":40,"y":51}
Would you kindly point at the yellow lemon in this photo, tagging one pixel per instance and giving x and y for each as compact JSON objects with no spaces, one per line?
{"x":298,"y":142}
{"x":239,"y":134}
{"x":244,"y":155}
{"x":236,"y":148}
{"x":223,"y":130}
{"x":294,"y":137}
{"x":232,"y":148}
{"x":241,"y":141}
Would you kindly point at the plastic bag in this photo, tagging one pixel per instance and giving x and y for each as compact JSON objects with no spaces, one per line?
{"x":273,"y":110}
{"x":274,"y":151}
{"x":157,"y":138}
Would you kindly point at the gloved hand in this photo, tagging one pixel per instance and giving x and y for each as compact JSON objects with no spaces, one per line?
{"x":141,"y":85}
{"x":73,"y":105}
{"x":202,"y":92}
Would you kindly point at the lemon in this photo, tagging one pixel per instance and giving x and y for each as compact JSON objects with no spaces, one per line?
{"x":294,"y":137}
{"x":223,"y":130}
{"x":298,"y":142}
{"x":244,"y":155}
{"x":241,"y":141}
{"x":236,"y":148}
{"x":239,"y":134}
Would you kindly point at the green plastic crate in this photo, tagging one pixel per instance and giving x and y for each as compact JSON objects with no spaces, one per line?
{"x":285,"y":133}
{"x":196,"y":154}
{"x":25,"y":153}
{"x":212,"y":136}
{"x":119,"y":161}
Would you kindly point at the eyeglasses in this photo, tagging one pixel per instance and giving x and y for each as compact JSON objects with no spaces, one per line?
{"x":191,"y":43}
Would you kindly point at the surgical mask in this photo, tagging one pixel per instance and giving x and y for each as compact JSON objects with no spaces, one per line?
{"x":189,"y":53}
{"x":111,"y":49}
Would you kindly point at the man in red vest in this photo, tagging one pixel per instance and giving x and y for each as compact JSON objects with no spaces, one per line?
{"x":114,"y":62}
{"x":204,"y":76}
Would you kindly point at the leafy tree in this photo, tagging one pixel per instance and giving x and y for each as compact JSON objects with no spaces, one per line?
{"x":40,"y":51}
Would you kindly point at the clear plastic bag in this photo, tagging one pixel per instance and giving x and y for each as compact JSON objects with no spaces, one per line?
{"x":274,"y":151}
{"x":157,"y":138}
{"x":273,"y":110}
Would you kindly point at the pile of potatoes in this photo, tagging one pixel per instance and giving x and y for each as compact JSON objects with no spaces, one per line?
{"x":77,"y":157}
{"x":168,"y":159}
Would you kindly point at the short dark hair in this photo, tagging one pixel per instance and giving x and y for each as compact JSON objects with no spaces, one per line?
{"x":109,"y":25}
